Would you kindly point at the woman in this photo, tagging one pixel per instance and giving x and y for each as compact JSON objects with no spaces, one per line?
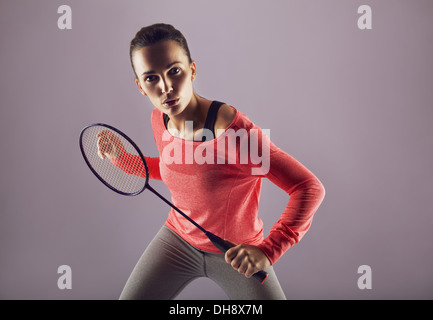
{"x":218,"y":188}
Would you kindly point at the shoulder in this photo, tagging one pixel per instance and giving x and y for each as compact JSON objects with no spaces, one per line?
{"x":226,"y":115}
{"x":157,"y":122}
{"x":155,"y":113}
{"x":156,"y":117}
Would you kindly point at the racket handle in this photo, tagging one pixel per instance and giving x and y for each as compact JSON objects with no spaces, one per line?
{"x":223,"y":246}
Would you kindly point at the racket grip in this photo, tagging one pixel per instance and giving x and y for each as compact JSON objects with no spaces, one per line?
{"x":223,"y":246}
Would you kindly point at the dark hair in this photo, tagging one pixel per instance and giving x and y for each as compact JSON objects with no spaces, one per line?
{"x":155,"y":33}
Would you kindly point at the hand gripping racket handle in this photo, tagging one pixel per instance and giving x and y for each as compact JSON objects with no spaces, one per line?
{"x":224,"y":246}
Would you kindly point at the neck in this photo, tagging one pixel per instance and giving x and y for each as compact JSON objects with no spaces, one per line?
{"x":195,"y":111}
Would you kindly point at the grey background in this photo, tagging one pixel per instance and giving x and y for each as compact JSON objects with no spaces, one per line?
{"x":353,"y":105}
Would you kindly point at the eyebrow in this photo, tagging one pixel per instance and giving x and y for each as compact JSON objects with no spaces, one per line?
{"x":167,"y":67}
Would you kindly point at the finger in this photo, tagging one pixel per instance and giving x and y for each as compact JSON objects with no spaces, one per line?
{"x":232,"y":252}
{"x":100,"y":154}
{"x":251,"y":271}
{"x":239,"y":260}
{"x":104,"y":147}
{"x":243,"y":268}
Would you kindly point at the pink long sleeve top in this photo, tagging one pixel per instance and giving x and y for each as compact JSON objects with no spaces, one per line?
{"x":218,"y":186}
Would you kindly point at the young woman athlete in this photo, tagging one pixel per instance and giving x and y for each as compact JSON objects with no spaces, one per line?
{"x":221,"y":194}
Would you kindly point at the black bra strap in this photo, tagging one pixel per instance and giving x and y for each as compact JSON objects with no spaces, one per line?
{"x":166,"y":118}
{"x":211,"y":117}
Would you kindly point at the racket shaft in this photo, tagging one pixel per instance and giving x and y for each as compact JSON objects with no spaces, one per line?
{"x":175,"y":208}
{"x":223,"y":246}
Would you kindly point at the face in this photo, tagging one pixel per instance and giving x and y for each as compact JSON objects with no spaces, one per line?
{"x":165,"y":76}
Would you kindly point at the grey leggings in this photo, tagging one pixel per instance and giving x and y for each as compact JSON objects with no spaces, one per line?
{"x":169,"y":263}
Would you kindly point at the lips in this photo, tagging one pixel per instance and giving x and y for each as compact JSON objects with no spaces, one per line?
{"x":170,"y":102}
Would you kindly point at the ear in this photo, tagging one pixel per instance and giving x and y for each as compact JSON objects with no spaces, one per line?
{"x":140,"y":88}
{"x":193,"y":71}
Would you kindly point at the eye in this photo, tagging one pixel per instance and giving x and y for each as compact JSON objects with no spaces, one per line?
{"x":150,"y":78}
{"x":174,"y":70}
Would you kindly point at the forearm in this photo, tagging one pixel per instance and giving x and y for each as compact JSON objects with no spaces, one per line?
{"x":305,"y":199}
{"x":132,"y":164}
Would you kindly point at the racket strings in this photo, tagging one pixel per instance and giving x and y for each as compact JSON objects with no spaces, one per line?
{"x":116,"y":169}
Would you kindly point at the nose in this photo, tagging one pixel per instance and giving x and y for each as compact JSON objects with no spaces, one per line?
{"x":166,"y":85}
